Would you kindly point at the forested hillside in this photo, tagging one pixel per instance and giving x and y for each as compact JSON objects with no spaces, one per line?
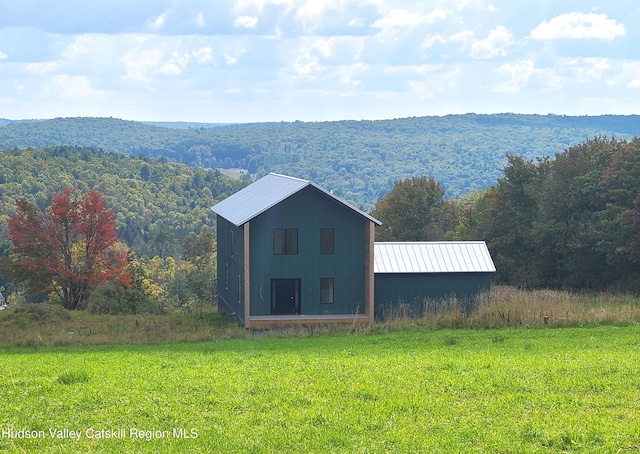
{"x":357,"y":160}
{"x":568,"y":222}
{"x":157,"y":203}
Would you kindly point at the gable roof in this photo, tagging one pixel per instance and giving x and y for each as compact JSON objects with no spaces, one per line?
{"x":268,"y":191}
{"x":433,"y":257}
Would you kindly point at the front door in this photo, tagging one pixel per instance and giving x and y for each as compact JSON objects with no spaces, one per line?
{"x":285,"y":296}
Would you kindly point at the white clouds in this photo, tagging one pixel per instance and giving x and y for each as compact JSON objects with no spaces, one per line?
{"x":460,"y":40}
{"x":633,"y":71}
{"x":232,"y":59}
{"x":435,"y":82}
{"x":518,"y":74}
{"x":141,"y":64}
{"x":400,"y":18}
{"x":495,"y":45}
{"x":291,"y":58}
{"x":202,"y":55}
{"x":74,"y":87}
{"x":350,"y":75}
{"x":300,"y":17}
{"x":589,"y":69}
{"x":246,"y":21}
{"x":159,"y":21}
{"x":41,"y":68}
{"x":261,"y":4}
{"x":412,"y":70}
{"x":200,"y":21}
{"x":579,"y":26}
{"x":325,"y":57}
{"x":565,"y":76}
{"x":80,"y":46}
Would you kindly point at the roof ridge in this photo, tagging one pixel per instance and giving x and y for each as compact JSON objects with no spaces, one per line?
{"x":266,"y":192}
{"x":289,"y":177}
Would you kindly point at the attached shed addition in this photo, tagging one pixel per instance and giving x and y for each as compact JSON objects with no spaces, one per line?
{"x":415,"y":273}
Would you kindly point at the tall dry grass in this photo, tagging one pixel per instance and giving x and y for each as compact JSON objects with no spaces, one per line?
{"x":508,"y":306}
{"x":51,"y":325}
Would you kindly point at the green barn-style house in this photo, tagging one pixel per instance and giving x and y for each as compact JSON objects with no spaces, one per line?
{"x":291,"y":253}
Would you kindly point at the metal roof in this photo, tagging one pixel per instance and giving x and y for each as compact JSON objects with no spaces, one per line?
{"x":268,"y":191}
{"x":433,"y":257}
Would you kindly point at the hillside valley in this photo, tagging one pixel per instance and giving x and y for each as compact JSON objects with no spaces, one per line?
{"x":357,"y":160}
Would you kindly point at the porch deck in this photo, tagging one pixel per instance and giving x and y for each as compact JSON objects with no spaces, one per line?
{"x":278,"y":321}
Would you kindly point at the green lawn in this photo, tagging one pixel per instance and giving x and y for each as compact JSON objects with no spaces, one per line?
{"x":510,"y":390}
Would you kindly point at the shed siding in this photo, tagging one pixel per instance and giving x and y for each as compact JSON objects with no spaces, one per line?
{"x":413,"y":289}
{"x":309,"y":211}
{"x":231,"y":273}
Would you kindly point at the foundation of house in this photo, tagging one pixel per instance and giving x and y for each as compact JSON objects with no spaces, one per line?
{"x":279,"y":321}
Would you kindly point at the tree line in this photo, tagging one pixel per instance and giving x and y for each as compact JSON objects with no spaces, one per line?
{"x":358,"y":160}
{"x":568,"y":222}
{"x":571,"y":221}
{"x":160,"y":213}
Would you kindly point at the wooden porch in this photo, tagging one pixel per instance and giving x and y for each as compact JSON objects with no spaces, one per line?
{"x":280,"y":321}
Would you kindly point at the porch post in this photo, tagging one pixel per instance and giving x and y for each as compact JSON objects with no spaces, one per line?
{"x":247,"y":276}
{"x":369,"y":237}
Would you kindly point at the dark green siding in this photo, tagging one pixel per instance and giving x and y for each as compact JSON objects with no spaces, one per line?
{"x":230,"y":249}
{"x":309,"y":211}
{"x":413,"y":289}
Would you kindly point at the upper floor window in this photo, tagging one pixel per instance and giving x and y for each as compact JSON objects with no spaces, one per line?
{"x":326,"y":241}
{"x":285,"y":241}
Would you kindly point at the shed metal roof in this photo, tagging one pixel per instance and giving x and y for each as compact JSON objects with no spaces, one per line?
{"x":433,"y":257}
{"x":268,"y":191}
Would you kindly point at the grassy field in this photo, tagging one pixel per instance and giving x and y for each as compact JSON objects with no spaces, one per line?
{"x":39,"y":325}
{"x":412,"y":390}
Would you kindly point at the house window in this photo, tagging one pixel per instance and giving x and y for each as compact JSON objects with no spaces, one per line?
{"x":326,"y":241}
{"x":326,"y":290}
{"x":285,"y":241}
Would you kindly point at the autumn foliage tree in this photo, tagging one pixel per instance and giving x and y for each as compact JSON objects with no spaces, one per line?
{"x":70,"y":248}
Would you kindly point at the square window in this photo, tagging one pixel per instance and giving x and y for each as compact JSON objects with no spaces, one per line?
{"x":326,"y":290}
{"x":285,"y":241}
{"x":326,"y":241}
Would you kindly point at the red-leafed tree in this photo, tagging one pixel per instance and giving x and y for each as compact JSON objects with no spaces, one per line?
{"x":70,"y":248}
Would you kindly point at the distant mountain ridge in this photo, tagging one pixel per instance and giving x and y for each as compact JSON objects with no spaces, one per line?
{"x":357,"y":160}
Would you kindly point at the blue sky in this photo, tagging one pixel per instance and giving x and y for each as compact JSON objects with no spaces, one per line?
{"x":239,"y":61}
